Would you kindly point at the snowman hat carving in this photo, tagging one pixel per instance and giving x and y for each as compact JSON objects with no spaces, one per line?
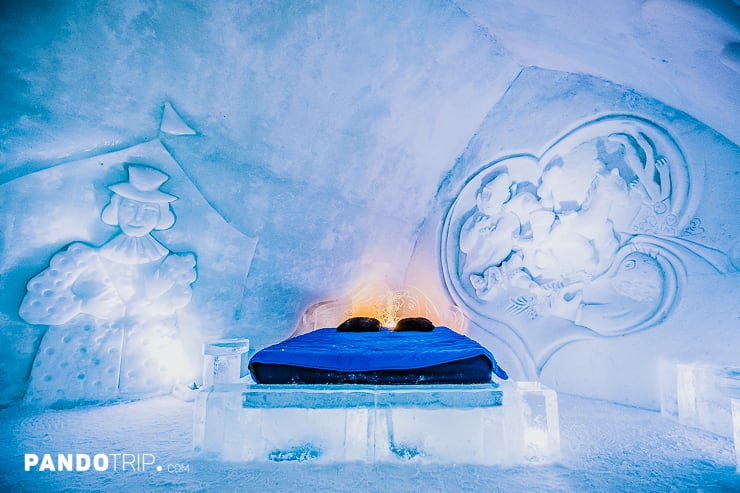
{"x":143,"y":185}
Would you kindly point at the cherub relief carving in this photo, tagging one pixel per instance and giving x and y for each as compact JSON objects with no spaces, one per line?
{"x":588,"y":232}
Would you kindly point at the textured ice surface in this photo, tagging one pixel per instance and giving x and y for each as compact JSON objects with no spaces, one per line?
{"x":327,"y":141}
{"x":672,"y":259}
{"x":110,"y":310}
{"x":736,"y":429}
{"x":223,"y":361}
{"x":104,"y":291}
{"x":325,"y":129}
{"x":700,"y":395}
{"x":472,"y":424}
{"x":648,"y":46}
{"x":604,"y":447}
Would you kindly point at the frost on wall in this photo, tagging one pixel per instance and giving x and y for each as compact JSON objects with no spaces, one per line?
{"x":593,"y":231}
{"x":118,"y":270}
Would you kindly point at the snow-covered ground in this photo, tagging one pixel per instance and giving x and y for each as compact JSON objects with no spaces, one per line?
{"x":605,"y":447}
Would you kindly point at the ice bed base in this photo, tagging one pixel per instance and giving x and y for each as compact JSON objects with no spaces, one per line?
{"x":478,"y":424}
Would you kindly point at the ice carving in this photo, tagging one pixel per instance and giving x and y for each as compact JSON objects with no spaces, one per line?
{"x":224,"y":360}
{"x":591,"y":232}
{"x":172,"y":124}
{"x":488,"y":236}
{"x":380,"y":301}
{"x":565,"y":245}
{"x":111,"y":309}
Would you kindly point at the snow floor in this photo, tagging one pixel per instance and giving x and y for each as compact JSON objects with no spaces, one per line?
{"x":605,"y":447}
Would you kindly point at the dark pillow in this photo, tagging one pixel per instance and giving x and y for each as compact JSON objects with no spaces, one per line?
{"x":360,"y":324}
{"x":415,"y":324}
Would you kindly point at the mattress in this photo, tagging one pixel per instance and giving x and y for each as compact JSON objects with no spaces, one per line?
{"x":386,"y":357}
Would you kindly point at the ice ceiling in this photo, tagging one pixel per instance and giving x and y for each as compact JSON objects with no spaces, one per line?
{"x":334,"y":144}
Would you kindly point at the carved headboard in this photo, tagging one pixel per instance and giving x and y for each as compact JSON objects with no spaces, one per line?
{"x":379,"y":301}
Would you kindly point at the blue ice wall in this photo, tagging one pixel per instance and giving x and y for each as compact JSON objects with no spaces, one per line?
{"x":330,"y":142}
{"x":667,"y":288}
{"x":321,"y":132}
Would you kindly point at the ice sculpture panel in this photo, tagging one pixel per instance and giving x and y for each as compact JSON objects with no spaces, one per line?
{"x":593,"y":233}
{"x":561,"y":236}
{"x":71,"y":226}
{"x":110,"y":309}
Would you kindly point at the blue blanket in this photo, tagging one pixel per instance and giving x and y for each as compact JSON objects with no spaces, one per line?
{"x":327,"y":349}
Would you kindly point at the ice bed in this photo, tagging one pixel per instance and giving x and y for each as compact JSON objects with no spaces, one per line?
{"x":383,"y":356}
{"x":374,"y":396}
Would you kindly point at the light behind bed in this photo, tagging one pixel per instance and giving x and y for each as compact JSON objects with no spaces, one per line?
{"x":380,"y":301}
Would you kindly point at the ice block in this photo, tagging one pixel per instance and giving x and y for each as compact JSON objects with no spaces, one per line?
{"x":474,"y":424}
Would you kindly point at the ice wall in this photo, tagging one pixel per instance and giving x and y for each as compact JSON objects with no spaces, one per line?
{"x":683,"y":53}
{"x":321,"y":132}
{"x":330,"y":141}
{"x":667,"y":286}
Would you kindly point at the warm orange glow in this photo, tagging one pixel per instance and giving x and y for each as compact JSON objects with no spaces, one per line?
{"x":388,"y":305}
{"x":379,"y":301}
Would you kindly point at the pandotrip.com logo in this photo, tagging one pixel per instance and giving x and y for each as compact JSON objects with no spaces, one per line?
{"x":100,"y":462}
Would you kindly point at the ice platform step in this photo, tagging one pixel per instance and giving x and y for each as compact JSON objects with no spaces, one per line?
{"x":350,"y":396}
{"x":481,"y":424}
